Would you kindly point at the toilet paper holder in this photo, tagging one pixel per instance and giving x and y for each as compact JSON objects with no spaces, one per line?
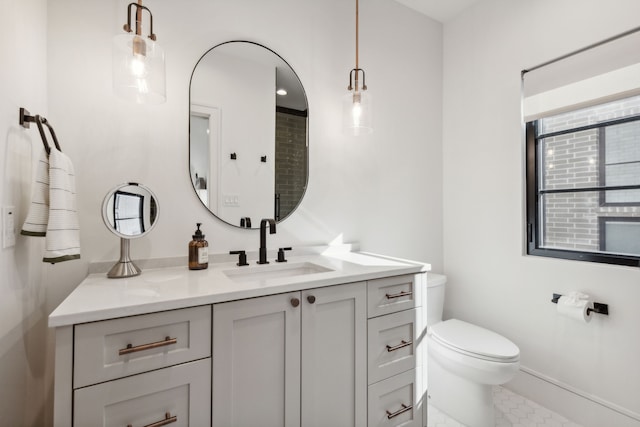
{"x":597,"y":306}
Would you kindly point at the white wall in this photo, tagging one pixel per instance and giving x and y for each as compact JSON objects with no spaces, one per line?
{"x":384,"y":191}
{"x":24,"y":381}
{"x":491,"y":283}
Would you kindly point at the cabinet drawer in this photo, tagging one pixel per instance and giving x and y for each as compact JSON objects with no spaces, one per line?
{"x":393,"y":294}
{"x":179,"y":395}
{"x":395,"y":344}
{"x":130,"y":345}
{"x":397,"y":401}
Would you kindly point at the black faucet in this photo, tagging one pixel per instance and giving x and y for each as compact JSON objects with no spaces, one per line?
{"x":263,"y":238}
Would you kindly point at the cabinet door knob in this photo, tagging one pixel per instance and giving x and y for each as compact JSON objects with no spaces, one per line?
{"x":295,"y":302}
{"x":311,"y":299}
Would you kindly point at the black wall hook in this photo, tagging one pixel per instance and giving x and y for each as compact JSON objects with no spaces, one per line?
{"x":234,"y":156}
{"x":263,"y":159}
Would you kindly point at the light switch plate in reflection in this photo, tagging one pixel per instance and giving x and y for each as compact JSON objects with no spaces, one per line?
{"x":8,"y":227}
{"x":231,"y":200}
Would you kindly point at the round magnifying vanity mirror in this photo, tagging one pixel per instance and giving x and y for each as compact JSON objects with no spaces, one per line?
{"x":129,"y":211}
{"x":248,"y":134}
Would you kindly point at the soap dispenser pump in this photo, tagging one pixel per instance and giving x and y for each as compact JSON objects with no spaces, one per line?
{"x":198,"y":251}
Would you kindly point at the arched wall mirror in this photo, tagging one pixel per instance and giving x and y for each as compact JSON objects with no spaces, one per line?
{"x":248,"y":134}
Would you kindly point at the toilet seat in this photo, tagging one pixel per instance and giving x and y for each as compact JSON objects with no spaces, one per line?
{"x":474,"y":341}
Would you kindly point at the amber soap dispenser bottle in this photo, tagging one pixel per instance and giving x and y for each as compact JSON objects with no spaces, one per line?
{"x":198,"y":251}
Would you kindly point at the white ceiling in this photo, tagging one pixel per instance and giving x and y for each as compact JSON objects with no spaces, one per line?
{"x":440,"y":10}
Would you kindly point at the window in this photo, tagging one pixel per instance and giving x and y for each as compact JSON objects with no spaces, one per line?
{"x":583,"y":184}
{"x":620,"y":154}
{"x":619,"y":234}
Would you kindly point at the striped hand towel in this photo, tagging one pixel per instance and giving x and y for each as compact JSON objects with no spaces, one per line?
{"x":63,"y":229}
{"x":53,"y":212}
{"x":38,"y":216}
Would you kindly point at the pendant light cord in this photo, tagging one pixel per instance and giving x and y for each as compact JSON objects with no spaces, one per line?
{"x":357,"y":20}
{"x":357,"y":33}
{"x":139,"y":18}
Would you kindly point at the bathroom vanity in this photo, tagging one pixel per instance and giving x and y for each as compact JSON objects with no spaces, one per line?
{"x":331,"y":339}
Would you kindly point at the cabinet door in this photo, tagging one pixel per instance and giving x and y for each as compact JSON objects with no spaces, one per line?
{"x":178,"y":395}
{"x":334,"y":356}
{"x":256,"y":362}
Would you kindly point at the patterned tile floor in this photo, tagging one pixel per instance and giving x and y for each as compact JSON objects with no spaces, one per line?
{"x":512,"y":410}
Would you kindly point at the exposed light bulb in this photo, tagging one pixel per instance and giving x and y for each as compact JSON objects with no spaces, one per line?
{"x":357,"y":117}
{"x":138,"y":66}
{"x":356,"y":110}
{"x":138,"y":62}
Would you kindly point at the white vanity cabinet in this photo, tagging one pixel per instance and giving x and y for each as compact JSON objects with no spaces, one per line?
{"x":339,"y":345}
{"x":291,"y":359}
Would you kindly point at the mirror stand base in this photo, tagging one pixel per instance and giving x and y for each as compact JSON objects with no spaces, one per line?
{"x":125,"y":267}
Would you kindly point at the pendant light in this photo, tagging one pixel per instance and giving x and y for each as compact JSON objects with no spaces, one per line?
{"x":138,"y":62}
{"x":356,"y":106}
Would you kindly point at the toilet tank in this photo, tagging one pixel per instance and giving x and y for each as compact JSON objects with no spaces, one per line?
{"x":435,"y":297}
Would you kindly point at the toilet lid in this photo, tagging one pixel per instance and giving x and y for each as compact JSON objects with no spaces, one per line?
{"x":475,"y":341}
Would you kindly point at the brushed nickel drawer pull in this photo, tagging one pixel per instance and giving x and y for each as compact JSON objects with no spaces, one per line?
{"x":131,"y":349}
{"x":167,"y":420}
{"x":402,"y":410}
{"x":399,"y":295}
{"x":403,"y":343}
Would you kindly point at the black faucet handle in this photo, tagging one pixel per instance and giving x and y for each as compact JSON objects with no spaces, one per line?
{"x":242,"y":257}
{"x":281,"y":257}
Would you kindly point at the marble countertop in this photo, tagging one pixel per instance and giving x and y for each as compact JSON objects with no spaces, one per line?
{"x":100,"y":298}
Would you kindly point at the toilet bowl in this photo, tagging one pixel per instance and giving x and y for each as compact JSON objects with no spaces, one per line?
{"x":464,"y":362}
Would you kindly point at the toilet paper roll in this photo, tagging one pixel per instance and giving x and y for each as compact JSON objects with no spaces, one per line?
{"x":575,"y":308}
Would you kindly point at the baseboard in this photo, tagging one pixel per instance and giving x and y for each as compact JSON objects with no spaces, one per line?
{"x":571,"y":403}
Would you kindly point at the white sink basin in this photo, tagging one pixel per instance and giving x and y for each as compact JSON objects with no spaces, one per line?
{"x":263,"y":272}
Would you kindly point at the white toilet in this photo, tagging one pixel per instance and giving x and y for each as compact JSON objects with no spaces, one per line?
{"x":464,"y":361}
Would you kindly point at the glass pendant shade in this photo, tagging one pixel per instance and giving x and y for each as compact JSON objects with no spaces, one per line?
{"x":357,"y":112}
{"x":138,"y":69}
